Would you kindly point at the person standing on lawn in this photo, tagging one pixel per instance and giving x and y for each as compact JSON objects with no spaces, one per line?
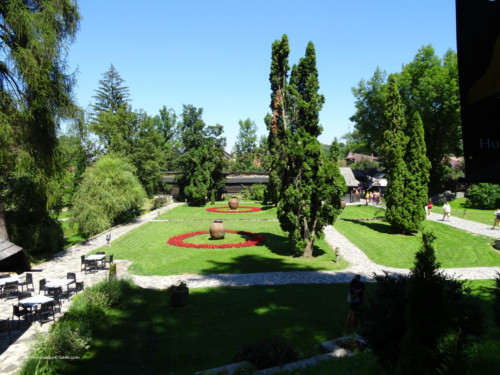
{"x":355,"y":300}
{"x":446,"y":211}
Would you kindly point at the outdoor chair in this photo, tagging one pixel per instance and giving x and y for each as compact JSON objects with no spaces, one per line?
{"x":28,"y":280}
{"x":100,"y":252}
{"x":9,"y":289}
{"x":4,"y":276}
{"x":23,"y":295}
{"x":46,"y":309}
{"x":21,"y":313}
{"x":57,"y":298}
{"x":79,"y":286}
{"x":5,"y":327}
{"x":51,"y":292}
{"x":110,"y":259}
{"x":83,"y":264}
{"x":41,"y":286}
{"x":72,"y":276}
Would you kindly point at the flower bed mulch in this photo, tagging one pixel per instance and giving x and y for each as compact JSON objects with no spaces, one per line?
{"x":254,"y":240}
{"x":227,"y":210}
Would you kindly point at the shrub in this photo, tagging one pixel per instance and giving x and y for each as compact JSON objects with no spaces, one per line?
{"x":483,"y":196}
{"x":159,"y":202}
{"x":268,"y":352}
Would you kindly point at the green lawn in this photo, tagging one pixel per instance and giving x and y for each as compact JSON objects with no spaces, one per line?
{"x":143,"y":335}
{"x":458,"y":209}
{"x":147,"y":248}
{"x":454,"y":247}
{"x":185,"y":212}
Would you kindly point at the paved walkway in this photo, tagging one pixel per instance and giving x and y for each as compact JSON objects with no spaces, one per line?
{"x":69,"y":261}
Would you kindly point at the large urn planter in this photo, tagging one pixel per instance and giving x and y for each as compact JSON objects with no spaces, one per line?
{"x":217,"y":230}
{"x":233,"y":203}
{"x":343,"y":204}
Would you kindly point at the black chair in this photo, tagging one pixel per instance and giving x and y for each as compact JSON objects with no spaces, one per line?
{"x":100,"y":252}
{"x":57,"y":298}
{"x":46,"y":309}
{"x":20,"y":312}
{"x":110,"y":259}
{"x":83,"y":265}
{"x":71,"y":276}
{"x":5,"y":327}
{"x":79,"y":286}
{"x":41,"y":286}
{"x":28,"y":280}
{"x":55,"y":290}
{"x":10,"y":288}
{"x":23,"y":295}
{"x":4,"y":276}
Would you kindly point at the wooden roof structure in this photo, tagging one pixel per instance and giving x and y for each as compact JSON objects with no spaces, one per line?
{"x":13,"y":258}
{"x":349,"y":178}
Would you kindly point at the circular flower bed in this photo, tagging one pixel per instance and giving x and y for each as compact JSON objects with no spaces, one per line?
{"x":227,"y":210}
{"x":254,"y":240}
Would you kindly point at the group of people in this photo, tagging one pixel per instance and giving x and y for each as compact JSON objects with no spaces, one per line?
{"x":372,"y":197}
{"x":446,"y":210}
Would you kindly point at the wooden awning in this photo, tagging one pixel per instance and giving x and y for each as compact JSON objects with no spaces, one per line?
{"x":13,"y":258}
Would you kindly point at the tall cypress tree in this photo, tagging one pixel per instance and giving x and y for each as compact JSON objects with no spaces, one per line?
{"x":396,"y":213}
{"x":418,"y":166}
{"x":278,"y":125}
{"x":312,"y":187}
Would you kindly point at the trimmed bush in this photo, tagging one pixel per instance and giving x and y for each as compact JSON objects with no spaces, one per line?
{"x":269,"y":352}
{"x":483,"y":196}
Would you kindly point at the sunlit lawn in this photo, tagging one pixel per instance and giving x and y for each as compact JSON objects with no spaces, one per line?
{"x":147,"y":248}
{"x":458,"y":209}
{"x":199,"y":213}
{"x":454,"y":247}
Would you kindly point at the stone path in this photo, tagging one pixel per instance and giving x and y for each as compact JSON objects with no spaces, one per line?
{"x":11,"y":356}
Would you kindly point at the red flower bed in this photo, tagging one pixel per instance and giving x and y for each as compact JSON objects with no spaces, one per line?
{"x":227,"y":210}
{"x":254,"y":240}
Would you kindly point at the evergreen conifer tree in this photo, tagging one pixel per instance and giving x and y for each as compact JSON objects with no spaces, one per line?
{"x":311,"y":185}
{"x":418,"y":166}
{"x":396,"y":213}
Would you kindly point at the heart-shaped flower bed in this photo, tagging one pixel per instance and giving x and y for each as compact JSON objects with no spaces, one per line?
{"x":227,"y":210}
{"x":254,"y":240}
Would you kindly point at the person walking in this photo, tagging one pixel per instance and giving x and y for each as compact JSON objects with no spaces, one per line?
{"x":355,"y":300}
{"x":496,"y":223}
{"x":446,"y":211}
{"x":429,"y":207}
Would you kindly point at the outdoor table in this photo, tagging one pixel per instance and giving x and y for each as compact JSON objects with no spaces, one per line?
{"x":6,"y":280}
{"x":60,"y":283}
{"x":31,"y":303}
{"x":96,"y":258}
{"x":35,"y":300}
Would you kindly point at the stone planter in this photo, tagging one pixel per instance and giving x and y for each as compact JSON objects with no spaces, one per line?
{"x":233,"y":203}
{"x":179,"y":297}
{"x":343,"y":204}
{"x":217,"y":230}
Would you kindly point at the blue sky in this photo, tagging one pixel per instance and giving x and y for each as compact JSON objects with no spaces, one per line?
{"x":216,"y":54}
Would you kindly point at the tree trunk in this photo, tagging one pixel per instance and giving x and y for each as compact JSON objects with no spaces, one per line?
{"x":3,"y":227}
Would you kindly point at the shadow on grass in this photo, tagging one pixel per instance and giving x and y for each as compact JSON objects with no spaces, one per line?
{"x":251,"y":263}
{"x":144,"y":335}
{"x":377,"y":226}
{"x":281,"y":246}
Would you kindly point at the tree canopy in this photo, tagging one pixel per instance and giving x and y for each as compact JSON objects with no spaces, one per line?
{"x":108,"y":189}
{"x":35,"y":92}
{"x":307,"y":185}
{"x":428,"y":85}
